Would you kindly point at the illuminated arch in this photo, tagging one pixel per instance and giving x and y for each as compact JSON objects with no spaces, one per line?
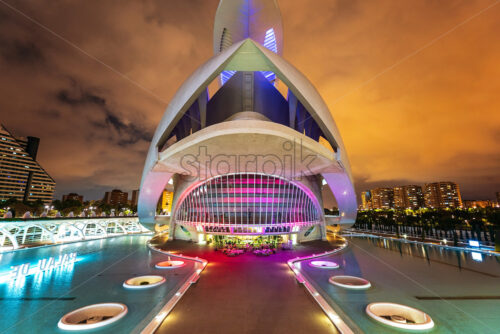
{"x":246,"y":55}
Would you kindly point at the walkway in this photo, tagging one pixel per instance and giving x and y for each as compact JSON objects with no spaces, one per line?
{"x":246,"y":294}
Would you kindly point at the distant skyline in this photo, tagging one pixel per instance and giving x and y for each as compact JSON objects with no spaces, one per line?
{"x":413,"y":86}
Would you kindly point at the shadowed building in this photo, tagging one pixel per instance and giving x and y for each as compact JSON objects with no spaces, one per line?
{"x":474,"y":204}
{"x":72,"y":197}
{"x":115,"y":197}
{"x":251,"y":158}
{"x":135,"y":197}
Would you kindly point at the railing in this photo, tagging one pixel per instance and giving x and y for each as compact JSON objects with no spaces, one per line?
{"x":462,"y":246}
{"x":329,"y":311}
{"x":167,"y":308}
{"x":435,"y":235}
{"x":16,"y":233}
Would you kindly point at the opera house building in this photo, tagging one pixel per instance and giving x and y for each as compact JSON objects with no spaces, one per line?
{"x":247,"y":142}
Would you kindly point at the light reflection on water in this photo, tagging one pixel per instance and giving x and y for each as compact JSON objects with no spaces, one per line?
{"x":410,"y":273}
{"x":39,"y":300}
{"x":462,"y":259}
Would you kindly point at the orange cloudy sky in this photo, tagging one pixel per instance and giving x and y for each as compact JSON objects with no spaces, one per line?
{"x":413,"y":85}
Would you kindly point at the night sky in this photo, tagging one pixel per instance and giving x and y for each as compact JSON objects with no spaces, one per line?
{"x":414,"y":85}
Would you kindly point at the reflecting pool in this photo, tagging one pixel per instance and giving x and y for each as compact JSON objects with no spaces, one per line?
{"x":460,"y":290}
{"x":36,"y":302}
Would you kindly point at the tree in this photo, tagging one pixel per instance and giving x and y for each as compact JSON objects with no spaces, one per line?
{"x":493,"y":217}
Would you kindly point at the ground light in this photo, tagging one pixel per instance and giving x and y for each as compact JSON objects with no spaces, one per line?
{"x":92,"y":316}
{"x":350,"y":282}
{"x":144,"y":282}
{"x":324,"y":264}
{"x":170,"y":264}
{"x":399,"y":316}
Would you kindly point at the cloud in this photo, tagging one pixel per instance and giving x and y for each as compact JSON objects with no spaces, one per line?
{"x":432,"y":117}
{"x":80,"y":100}
{"x":21,"y":52}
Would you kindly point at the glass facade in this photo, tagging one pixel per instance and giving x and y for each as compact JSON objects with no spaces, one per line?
{"x":248,"y":203}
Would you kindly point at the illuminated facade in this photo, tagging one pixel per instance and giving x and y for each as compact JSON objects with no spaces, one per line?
{"x":249,"y":203}
{"x":21,"y":176}
{"x":252,"y":157}
{"x":399,"y":198}
{"x":442,"y":195}
{"x":408,"y":197}
{"x":382,"y":198}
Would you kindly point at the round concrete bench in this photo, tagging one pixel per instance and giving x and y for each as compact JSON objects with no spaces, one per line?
{"x":144,"y":282}
{"x":169,"y":264}
{"x":92,"y":316}
{"x":324,"y":264}
{"x":399,"y":316}
{"x":350,"y":282}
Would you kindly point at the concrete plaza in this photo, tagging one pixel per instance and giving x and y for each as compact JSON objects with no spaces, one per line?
{"x":246,"y":294}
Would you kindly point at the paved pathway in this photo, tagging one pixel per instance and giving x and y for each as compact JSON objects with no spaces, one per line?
{"x":246,"y":294}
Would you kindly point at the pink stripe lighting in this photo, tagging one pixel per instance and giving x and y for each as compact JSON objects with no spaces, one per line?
{"x":220,"y":224}
{"x":265,"y":200}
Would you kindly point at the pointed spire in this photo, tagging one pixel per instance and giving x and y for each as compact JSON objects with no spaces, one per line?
{"x":237,"y":20}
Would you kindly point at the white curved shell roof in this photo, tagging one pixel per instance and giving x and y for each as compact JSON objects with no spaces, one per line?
{"x":247,"y":55}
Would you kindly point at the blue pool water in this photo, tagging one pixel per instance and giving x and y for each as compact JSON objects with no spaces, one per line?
{"x":449,"y":285}
{"x":36,"y":304}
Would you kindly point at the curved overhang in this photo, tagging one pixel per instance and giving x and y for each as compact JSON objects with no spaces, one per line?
{"x":241,"y":146}
{"x":246,"y":55}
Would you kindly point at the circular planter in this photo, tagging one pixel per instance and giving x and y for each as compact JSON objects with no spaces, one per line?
{"x":400,"y":316}
{"x":350,"y":282}
{"x":169,"y":264}
{"x":324,"y":264}
{"x":92,"y":316}
{"x":144,"y":282}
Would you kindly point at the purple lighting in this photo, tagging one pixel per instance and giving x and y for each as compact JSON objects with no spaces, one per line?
{"x":250,"y":200}
{"x":270,"y":44}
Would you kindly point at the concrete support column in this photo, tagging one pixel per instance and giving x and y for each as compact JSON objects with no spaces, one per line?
{"x":343,"y":190}
{"x":152,"y":187}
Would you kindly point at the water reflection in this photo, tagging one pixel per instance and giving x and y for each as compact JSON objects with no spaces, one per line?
{"x":460,"y":259}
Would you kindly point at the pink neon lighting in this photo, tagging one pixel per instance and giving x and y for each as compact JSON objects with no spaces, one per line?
{"x":263,"y":201}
